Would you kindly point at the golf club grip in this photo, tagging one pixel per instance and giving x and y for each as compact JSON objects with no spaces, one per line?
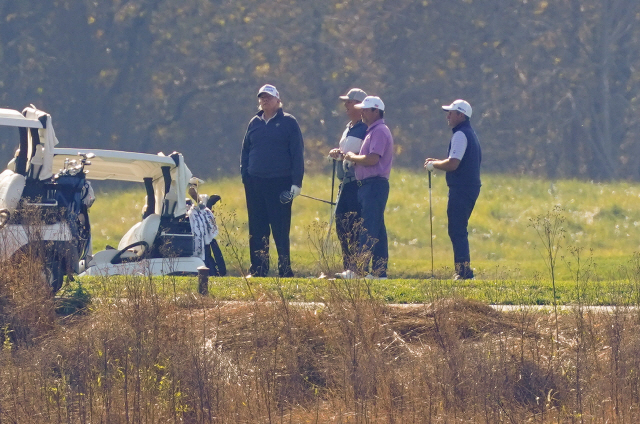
{"x":429,"y":179}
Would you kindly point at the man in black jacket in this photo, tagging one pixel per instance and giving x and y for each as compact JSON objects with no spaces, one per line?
{"x":271,"y":162}
{"x":463,"y":178}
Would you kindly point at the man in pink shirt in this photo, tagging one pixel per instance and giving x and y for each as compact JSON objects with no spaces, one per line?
{"x":373,"y":166}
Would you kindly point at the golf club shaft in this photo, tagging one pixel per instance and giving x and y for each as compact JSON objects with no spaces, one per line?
{"x":333,"y":215}
{"x":333,"y":210}
{"x":333,"y":179}
{"x":430,"y":224}
{"x":319,"y":200}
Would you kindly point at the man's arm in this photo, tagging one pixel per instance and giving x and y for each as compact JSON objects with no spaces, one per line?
{"x":296,"y":147}
{"x":244,"y":156}
{"x":448,"y":164}
{"x":369,"y":159}
{"x":458,"y":147}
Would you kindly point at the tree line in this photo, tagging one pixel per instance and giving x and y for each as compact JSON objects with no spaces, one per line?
{"x":553,"y":85}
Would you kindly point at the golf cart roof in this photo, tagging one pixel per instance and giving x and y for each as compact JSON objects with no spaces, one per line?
{"x":13,"y":118}
{"x":116,"y":165}
{"x":165,"y":177}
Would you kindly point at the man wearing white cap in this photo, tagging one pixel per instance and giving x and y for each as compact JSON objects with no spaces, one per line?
{"x":271,"y":163}
{"x":463,"y":178}
{"x":373,"y":167}
{"x":348,"y":209}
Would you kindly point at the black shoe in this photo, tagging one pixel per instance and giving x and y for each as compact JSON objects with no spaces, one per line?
{"x":463,"y":271}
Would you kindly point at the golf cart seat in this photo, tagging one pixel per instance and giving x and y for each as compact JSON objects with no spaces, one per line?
{"x":134,"y":245}
{"x":170,"y":201}
{"x":145,"y":230}
{"x":11,"y":187}
{"x":139,"y":239}
{"x":36,"y":162}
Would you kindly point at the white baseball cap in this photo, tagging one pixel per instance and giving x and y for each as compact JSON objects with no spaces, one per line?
{"x":460,"y":106}
{"x":355,"y":94}
{"x":195,"y":181}
{"x":370,"y":101}
{"x":269,"y":89}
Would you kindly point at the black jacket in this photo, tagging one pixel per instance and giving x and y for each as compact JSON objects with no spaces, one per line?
{"x":273,"y":149}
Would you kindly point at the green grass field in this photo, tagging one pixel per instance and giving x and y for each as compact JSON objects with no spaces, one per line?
{"x":600,"y":221}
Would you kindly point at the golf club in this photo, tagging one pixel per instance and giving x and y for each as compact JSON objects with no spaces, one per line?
{"x":333,"y":181}
{"x":333,"y":215}
{"x":286,"y":197}
{"x":332,"y":210}
{"x":430,"y":225}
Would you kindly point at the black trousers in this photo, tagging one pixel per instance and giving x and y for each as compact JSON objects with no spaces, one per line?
{"x":347,"y":223}
{"x":268,"y":215}
{"x":459,"y":208}
{"x":214,"y":260}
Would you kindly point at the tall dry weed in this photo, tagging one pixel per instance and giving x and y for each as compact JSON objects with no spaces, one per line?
{"x":142,"y":356}
{"x":145,"y":358}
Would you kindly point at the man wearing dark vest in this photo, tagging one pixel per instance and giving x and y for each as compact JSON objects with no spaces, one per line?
{"x":463,"y":178}
{"x":347,"y":208}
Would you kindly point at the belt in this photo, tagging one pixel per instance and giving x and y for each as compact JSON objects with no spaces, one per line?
{"x":370,"y":180}
{"x":347,"y":180}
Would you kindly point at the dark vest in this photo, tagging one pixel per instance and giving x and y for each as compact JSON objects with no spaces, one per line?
{"x":468,"y":172}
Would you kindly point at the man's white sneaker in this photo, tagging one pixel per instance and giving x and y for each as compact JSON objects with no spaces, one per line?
{"x":347,"y":275}
{"x":373,"y":277}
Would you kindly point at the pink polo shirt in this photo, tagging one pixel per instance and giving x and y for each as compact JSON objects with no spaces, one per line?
{"x":378,"y":140}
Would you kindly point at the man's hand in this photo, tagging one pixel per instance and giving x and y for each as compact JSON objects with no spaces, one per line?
{"x":336,"y":154}
{"x":428,"y":164}
{"x":447,"y":165}
{"x":295,"y":190}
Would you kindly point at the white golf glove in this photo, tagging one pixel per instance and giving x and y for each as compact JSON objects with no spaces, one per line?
{"x":429,"y":166}
{"x":295,"y":191}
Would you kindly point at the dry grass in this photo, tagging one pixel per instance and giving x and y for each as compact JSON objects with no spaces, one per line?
{"x":144,"y":358}
{"x":26,"y":305}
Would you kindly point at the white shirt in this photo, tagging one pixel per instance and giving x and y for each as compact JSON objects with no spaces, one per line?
{"x":458,"y":145}
{"x":349,"y":144}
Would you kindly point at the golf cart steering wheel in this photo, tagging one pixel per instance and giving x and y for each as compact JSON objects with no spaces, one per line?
{"x":145,"y":251}
{"x":4,"y":217}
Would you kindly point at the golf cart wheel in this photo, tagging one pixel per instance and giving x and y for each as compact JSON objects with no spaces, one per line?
{"x":145,"y":252}
{"x":4,"y":217}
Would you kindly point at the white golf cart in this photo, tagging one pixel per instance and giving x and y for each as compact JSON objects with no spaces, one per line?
{"x":42,"y":215}
{"x":162,"y":242}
